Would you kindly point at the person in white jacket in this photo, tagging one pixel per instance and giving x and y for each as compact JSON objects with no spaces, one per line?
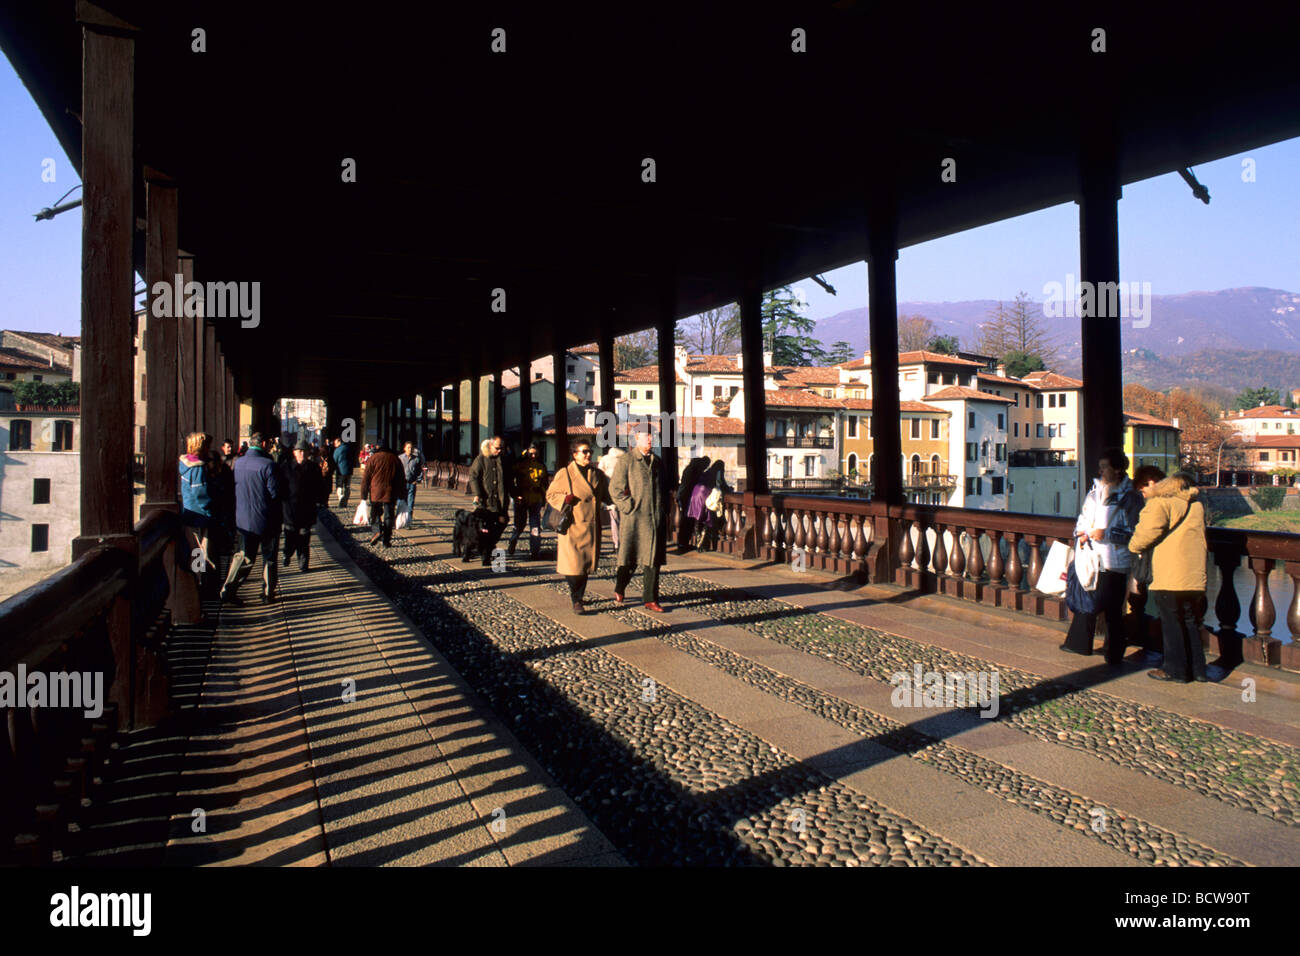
{"x":607,"y":463}
{"x":1106,"y":522}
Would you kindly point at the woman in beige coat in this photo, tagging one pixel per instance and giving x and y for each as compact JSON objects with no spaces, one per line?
{"x":1173,"y":522}
{"x":578,"y":551}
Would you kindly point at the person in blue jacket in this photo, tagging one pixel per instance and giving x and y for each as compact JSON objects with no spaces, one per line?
{"x":342,"y":469}
{"x":257,"y":517}
{"x":198,"y":485}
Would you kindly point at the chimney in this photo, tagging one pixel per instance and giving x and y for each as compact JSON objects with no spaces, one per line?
{"x":767,"y":359}
{"x":589,"y":416}
{"x":740,"y":360}
{"x":1175,"y":423}
{"x":1001,"y":370}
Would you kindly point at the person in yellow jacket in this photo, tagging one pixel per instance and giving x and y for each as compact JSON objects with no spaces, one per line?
{"x":1173,"y":523}
{"x":530,"y":496}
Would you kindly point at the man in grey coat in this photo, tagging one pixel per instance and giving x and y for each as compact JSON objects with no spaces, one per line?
{"x":643,"y":527}
{"x":489,"y":483}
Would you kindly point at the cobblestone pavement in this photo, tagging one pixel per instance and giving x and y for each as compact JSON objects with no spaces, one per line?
{"x":1237,"y":768}
{"x":667,"y":781}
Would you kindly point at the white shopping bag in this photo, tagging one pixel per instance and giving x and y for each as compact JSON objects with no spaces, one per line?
{"x":363,"y":513}
{"x":1055,"y":568}
{"x":403,"y":515}
{"x":1087,"y":564}
{"x":338,"y":495}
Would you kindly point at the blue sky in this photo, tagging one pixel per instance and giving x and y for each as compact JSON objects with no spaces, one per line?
{"x":1245,"y":237}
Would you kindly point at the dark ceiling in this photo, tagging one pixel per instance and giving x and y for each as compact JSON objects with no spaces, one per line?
{"x":522,"y":170}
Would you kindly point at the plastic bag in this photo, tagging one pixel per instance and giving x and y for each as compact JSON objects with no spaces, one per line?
{"x":1078,"y":598}
{"x":1056,"y":568}
{"x":1087,"y":564}
{"x":363,"y":513}
{"x":403,"y":515}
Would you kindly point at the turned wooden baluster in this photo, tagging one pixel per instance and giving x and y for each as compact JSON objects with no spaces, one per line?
{"x":922,"y":548}
{"x":995,"y":557}
{"x":1035,"y":559}
{"x":733,"y":522}
{"x":800,"y":532}
{"x":765,"y":518}
{"x":976,"y":555}
{"x":824,"y":534}
{"x":835,"y":542}
{"x":957,"y":560}
{"x":905,"y":546}
{"x":1293,"y":609}
{"x":940,"y":552}
{"x":860,"y":538}
{"x":1262,"y":612}
{"x":1015,"y":570}
{"x":1227,"y":608}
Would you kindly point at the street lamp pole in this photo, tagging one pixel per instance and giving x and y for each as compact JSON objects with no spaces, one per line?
{"x":1218,"y":461}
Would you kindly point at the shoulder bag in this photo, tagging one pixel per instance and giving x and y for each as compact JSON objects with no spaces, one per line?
{"x":1142,"y":566}
{"x":560,"y":519}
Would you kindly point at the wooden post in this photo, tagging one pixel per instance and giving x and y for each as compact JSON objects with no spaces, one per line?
{"x":455,"y":423}
{"x":210,"y":394}
{"x":525,"y":403}
{"x":475,"y":413}
{"x":605,"y":371}
{"x":561,"y":403}
{"x":666,"y":329}
{"x":186,"y":361}
{"x":232,"y":406}
{"x":882,"y":253}
{"x":751,"y":346}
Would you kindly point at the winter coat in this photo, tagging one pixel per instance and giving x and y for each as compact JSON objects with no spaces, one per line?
{"x":412,"y":466}
{"x":699,"y":495}
{"x":342,"y":461}
{"x":637,"y":490}
{"x":530,"y":481}
{"x":1178,"y":561}
{"x":382,"y":479}
{"x":257,"y":493}
{"x":609,"y":461}
{"x":197,"y":500}
{"x":488,"y":483}
{"x":578,"y":551}
{"x":1118,"y":515}
{"x":304,"y":491}
{"x":691,"y":475}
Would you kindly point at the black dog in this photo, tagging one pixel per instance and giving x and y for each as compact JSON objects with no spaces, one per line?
{"x":471,"y":532}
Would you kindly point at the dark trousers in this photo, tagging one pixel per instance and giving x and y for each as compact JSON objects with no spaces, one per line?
{"x":344,"y":482}
{"x":577,"y":586}
{"x":242,"y":563}
{"x":649,"y":582}
{"x":495,"y":529}
{"x":532,"y":516}
{"x":1110,"y":594}
{"x":1181,"y":613}
{"x":685,"y":531}
{"x":298,"y":540}
{"x":382,"y":516}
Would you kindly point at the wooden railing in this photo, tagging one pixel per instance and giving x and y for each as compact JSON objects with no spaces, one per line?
{"x":992,"y":558}
{"x":105,"y":614}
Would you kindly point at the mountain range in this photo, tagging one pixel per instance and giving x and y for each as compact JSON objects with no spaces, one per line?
{"x":1231,"y":339}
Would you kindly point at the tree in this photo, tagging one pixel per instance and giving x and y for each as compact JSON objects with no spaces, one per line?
{"x":840,"y":352}
{"x":914,"y":331}
{"x":1018,"y":327}
{"x":788,"y":331}
{"x":1254,"y":397}
{"x":1020,"y":364}
{"x":944,"y":344}
{"x":635,"y":350}
{"x":715,"y":332}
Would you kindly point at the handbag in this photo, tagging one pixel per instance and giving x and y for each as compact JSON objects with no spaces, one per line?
{"x":1056,"y":568}
{"x":714,"y":501}
{"x":1143,"y":564}
{"x":1087,"y":565}
{"x":560,"y":519}
{"x":1079,"y":599}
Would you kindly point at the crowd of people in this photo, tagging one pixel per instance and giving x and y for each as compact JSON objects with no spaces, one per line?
{"x":1160,"y":517}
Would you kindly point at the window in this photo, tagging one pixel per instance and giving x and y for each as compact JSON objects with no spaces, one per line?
{"x":736,"y":388}
{"x":979,"y":486}
{"x":649,"y":394}
{"x":853,"y":427}
{"x":1002,"y":421}
{"x":809,"y":466}
{"x":1016,"y":396}
{"x":1263,"y":456}
{"x":144,"y":391}
{"x":997,"y":486}
{"x":717,"y":391}
{"x":970,"y":419}
{"x":869,"y":426}
{"x":1038,"y":403}
{"x":40,"y":537}
{"x":851,"y":465}
{"x":633,"y":394}
{"x":984,"y":450}
{"x":1056,"y":504}
{"x":1015,"y":429}
{"x":1011,"y":488}
{"x":20,"y":435}
{"x":618,"y":393}
{"x":1051,"y":431}
{"x":1051,"y":400}
{"x":537,"y":376}
{"x":787,"y":467}
{"x":916,"y":428}
{"x":1001,"y":451}
{"x":41,"y":491}
{"x":569,"y":368}
{"x":970,"y":486}
{"x":916,"y":464}
{"x":41,"y":378}
{"x":826,"y":392}
{"x":1038,"y":429}
{"x":934,"y":428}
{"x":1060,"y":430}
{"x":1137,"y":433}
{"x":1060,"y":400}
{"x":972,"y":451}
{"x":699,"y":393}
{"x":936,"y":465}
{"x":63,"y":436}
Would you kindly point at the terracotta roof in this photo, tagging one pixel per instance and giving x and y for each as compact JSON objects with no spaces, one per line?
{"x":809,"y":374}
{"x":686,"y":425}
{"x":1266,"y":411}
{"x":864,"y":405}
{"x":970,"y":394}
{"x":1004,"y":379}
{"x":912,"y":358}
{"x":704,"y":364}
{"x":648,"y":374}
{"x":1142,"y":418}
{"x":1051,"y":381}
{"x":1272,"y":441}
{"x":800,"y":398}
{"x":17,"y":359}
{"x":50,"y":338}
{"x":592,"y":349}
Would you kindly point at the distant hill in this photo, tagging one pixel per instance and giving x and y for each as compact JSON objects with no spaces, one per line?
{"x":1234,"y":338}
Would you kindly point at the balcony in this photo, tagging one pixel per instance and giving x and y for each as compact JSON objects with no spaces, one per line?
{"x":805,"y":484}
{"x":799,"y":441}
{"x":929,"y":480}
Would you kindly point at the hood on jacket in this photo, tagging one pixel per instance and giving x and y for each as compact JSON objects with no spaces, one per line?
{"x":1119,"y":490}
{"x":1172,"y":488}
{"x":190,"y":461}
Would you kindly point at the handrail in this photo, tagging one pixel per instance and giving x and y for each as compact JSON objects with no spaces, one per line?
{"x":154,"y":532}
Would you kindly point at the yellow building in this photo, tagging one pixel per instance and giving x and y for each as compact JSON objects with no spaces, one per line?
{"x":928,"y":475}
{"x":1151,"y":441}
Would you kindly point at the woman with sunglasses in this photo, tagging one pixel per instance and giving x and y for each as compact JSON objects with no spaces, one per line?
{"x":585,"y":487}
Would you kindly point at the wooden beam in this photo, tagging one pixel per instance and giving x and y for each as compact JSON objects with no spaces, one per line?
{"x":186,"y":362}
{"x":754,"y":454}
{"x":887,"y":442}
{"x":666,"y":328}
{"x":605,"y":362}
{"x":561,"y":404}
{"x":1102,"y":353}
{"x":161,"y":426}
{"x":211,"y":397}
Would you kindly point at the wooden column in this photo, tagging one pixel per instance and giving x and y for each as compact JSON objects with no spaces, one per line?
{"x":561,"y":404}
{"x":666,"y":329}
{"x":107,"y":283}
{"x":210,"y":396}
{"x":883,"y":292}
{"x":441,"y":455}
{"x":1102,"y":355}
{"x":605,"y":366}
{"x":498,"y":424}
{"x":455,"y":422}
{"x":525,"y":403}
{"x":161,"y":425}
{"x":751,"y":373}
{"x":475,"y":413}
{"x":232,"y":406}
{"x":186,"y":362}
